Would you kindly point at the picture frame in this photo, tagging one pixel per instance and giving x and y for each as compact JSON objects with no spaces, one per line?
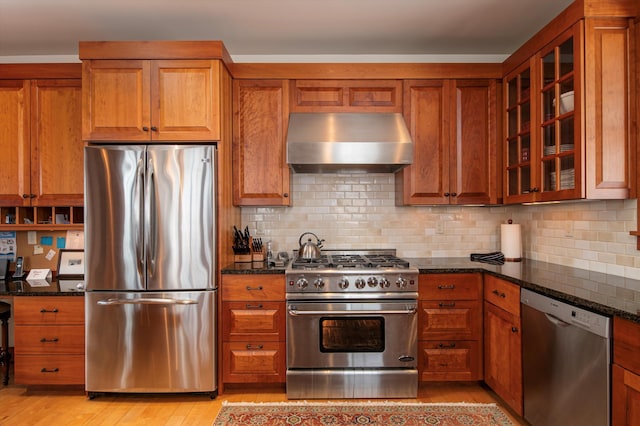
{"x":71,"y":264}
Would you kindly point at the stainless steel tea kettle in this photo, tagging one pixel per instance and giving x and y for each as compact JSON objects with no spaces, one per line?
{"x":309,"y":250}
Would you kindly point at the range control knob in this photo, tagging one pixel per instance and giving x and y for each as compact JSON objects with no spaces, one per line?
{"x":302,"y":283}
{"x":318,"y":283}
{"x":401,"y":282}
{"x":360,"y":283}
{"x":343,"y":283}
{"x":372,"y":281}
{"x":384,"y":282}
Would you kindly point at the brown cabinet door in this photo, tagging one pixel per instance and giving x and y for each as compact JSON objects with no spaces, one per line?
{"x":14,"y":143}
{"x":185,"y":100}
{"x":473,"y":155}
{"x":254,"y":362}
{"x":260,"y":119}
{"x":116,"y":101}
{"x":426,"y":107}
{"x":346,"y":96}
{"x":263,"y":321}
{"x":444,"y":360}
{"x":625,"y":397}
{"x":450,"y":319}
{"x":57,"y":158}
{"x":503,"y":355}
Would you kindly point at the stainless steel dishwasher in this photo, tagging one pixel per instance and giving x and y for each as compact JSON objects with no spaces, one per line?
{"x":566,"y":357}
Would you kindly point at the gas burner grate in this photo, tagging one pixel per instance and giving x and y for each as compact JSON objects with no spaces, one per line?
{"x":351,"y":261}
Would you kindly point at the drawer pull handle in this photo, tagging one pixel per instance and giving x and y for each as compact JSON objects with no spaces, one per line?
{"x":44,"y":370}
{"x":45,"y":340}
{"x":497,"y":293}
{"x":249,"y":288}
{"x":447,"y":305}
{"x":449,"y":346}
{"x":249,"y":306}
{"x":52,"y":311}
{"x":252,"y":347}
{"x":514,"y":329}
{"x":446,"y":287}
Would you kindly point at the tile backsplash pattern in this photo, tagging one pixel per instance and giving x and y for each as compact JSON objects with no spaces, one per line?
{"x":358,"y":211}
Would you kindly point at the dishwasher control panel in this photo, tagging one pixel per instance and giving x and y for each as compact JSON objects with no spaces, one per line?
{"x":569,"y":314}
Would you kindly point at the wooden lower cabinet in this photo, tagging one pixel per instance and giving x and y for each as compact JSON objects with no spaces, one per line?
{"x":503,"y":341}
{"x":253,"y":329}
{"x":450,"y":327}
{"x":625,"y":387}
{"x":49,"y":340}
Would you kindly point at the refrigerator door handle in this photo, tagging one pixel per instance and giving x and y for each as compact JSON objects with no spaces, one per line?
{"x":152,"y":218}
{"x":146,"y":301}
{"x":139,"y":231}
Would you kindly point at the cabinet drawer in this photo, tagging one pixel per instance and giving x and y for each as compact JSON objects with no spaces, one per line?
{"x":254,"y":362}
{"x":626,"y":344}
{"x":49,"y":369}
{"x":450,"y":319}
{"x":450,"y":286}
{"x":450,"y":360}
{"x":48,"y":310}
{"x":502,"y":294}
{"x":253,"y":287}
{"x":49,"y":339}
{"x":244,"y":321}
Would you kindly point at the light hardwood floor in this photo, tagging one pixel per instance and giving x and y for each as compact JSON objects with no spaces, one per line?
{"x":69,"y":406}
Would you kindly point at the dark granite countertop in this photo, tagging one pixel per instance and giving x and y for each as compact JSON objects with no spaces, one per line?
{"x":610,"y":295}
{"x":67,"y":287}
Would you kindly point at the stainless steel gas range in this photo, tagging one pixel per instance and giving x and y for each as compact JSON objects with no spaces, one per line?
{"x":352,"y":326}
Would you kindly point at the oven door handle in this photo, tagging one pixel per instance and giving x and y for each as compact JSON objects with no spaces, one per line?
{"x":409,"y":311}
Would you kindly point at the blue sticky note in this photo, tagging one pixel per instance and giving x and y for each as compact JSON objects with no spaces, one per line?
{"x":61,"y":242}
{"x":46,"y":241}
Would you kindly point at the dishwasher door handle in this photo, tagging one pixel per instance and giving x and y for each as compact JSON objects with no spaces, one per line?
{"x":556,"y":321}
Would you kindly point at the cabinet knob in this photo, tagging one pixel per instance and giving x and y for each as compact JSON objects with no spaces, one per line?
{"x":32,"y":195}
{"x":453,"y":194}
{"x":514,"y":329}
{"x":25,"y":196}
{"x":285,"y":195}
{"x":154,"y":128}
{"x":446,"y":194}
{"x":145,"y":128}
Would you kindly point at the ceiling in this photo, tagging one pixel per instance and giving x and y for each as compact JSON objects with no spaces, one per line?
{"x":282,"y":30}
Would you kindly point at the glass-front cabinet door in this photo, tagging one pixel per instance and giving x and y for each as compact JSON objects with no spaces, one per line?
{"x":559,"y":139}
{"x":520,"y":175}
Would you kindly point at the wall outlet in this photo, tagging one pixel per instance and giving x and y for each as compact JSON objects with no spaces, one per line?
{"x":440,"y":227}
{"x":568,"y":229}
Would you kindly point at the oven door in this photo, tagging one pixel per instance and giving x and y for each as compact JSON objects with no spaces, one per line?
{"x":353,"y":334}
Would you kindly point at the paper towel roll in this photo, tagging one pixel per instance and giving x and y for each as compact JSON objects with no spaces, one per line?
{"x":511,"y":242}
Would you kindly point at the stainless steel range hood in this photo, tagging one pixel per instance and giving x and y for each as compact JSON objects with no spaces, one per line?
{"x":348,"y":143}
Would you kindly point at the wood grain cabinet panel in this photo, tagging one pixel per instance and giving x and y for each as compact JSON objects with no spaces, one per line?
{"x":151,"y":100}
{"x":49,"y":340}
{"x":454,"y":125}
{"x":503,"y":342}
{"x":450,"y":326}
{"x":346,"y":96}
{"x":625,"y":388}
{"x":260,"y":120}
{"x":253,"y":329}
{"x":40,"y":138}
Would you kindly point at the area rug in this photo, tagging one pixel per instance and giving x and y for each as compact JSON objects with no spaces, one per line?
{"x":360,"y":413}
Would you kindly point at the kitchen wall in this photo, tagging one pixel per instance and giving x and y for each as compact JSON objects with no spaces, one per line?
{"x":358,"y":211}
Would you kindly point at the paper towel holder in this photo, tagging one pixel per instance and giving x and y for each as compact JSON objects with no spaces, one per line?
{"x":511,"y":241}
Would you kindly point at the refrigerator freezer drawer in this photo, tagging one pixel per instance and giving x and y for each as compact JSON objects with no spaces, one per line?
{"x":150,"y":342}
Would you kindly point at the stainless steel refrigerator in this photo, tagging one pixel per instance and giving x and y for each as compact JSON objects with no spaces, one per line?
{"x":150,"y":302}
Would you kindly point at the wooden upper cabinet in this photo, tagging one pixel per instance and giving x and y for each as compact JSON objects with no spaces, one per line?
{"x":57,"y":150}
{"x":454,"y":128}
{"x":346,"y":96}
{"x":568,"y":132}
{"x":260,"y":119}
{"x":151,"y":100}
{"x":40,"y":137}
{"x":14,"y":142}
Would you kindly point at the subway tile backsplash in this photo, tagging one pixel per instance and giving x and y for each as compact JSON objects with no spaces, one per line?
{"x":358,"y":211}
